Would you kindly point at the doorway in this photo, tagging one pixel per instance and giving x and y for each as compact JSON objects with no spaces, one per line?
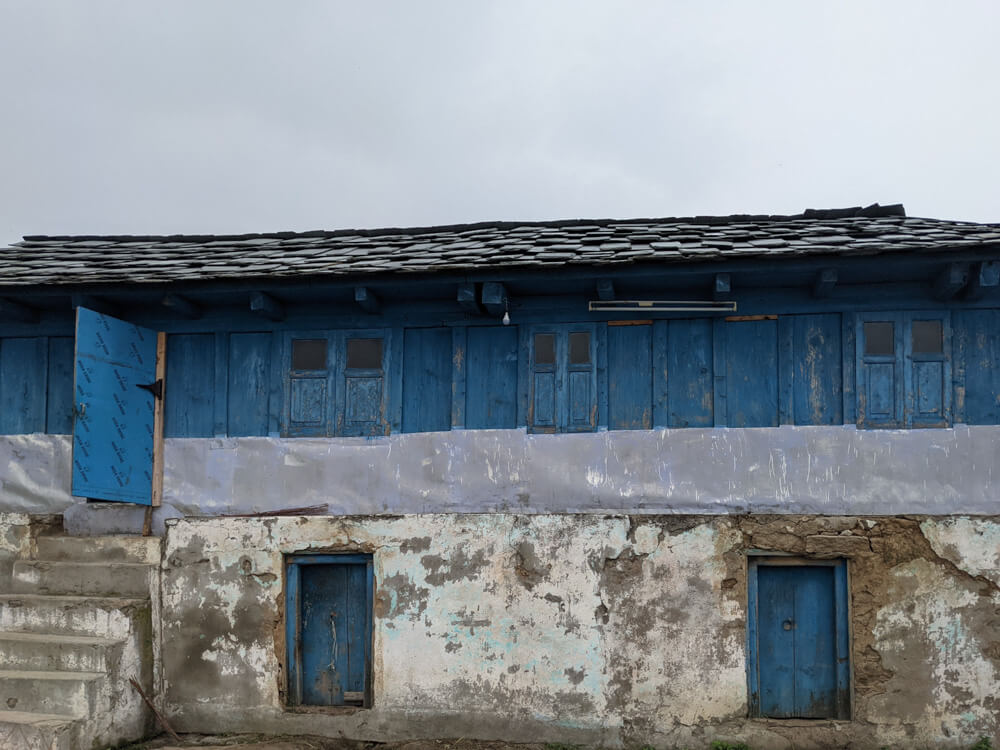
{"x":328,"y":619}
{"x":797,"y":638}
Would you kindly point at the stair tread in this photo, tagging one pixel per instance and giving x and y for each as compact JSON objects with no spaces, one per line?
{"x":27,"y":717}
{"x":84,"y":564}
{"x":81,"y":640}
{"x":114,"y":601}
{"x":47,"y":674}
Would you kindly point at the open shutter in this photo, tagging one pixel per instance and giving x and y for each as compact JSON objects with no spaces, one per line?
{"x":118,"y":416}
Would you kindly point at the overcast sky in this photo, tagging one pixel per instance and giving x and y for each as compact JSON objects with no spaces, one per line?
{"x":193,"y":117}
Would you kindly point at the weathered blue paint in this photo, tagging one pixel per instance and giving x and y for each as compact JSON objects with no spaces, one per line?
{"x":427,"y":379}
{"x":23,"y":370}
{"x":751,"y":363}
{"x":630,"y":377}
{"x":113,"y":430}
{"x":562,"y":394}
{"x":189,"y":408}
{"x":815,"y":358}
{"x":491,"y":378}
{"x":248,"y":383}
{"x":977,"y":364}
{"x":328,"y":610}
{"x":805,"y":369}
{"x":798,"y":660}
{"x":59,"y":401}
{"x":903,"y":389}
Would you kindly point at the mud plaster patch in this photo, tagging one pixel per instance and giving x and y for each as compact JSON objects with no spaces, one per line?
{"x":459,"y":566}
{"x":529,"y":568}
{"x":399,"y":596}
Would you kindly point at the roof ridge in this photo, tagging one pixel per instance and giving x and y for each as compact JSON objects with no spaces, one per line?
{"x":873,"y":211}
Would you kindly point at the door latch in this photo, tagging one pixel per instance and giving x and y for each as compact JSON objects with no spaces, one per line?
{"x":156,"y":388}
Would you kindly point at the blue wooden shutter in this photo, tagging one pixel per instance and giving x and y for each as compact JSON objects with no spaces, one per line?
{"x":361,"y":402}
{"x":308,"y":393}
{"x":580,"y":397}
{"x":491,"y":377}
{"x":427,"y":375}
{"x":879,"y":371}
{"x":544,"y":383}
{"x":927,"y":375}
{"x":113,"y":433}
{"x":630,"y":377}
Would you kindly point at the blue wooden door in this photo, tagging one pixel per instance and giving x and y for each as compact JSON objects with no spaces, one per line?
{"x":801,"y":660}
{"x":113,"y":430}
{"x":331,"y":653}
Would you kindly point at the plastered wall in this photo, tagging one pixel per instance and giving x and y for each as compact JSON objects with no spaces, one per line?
{"x":596,"y":629}
{"x":820,"y":470}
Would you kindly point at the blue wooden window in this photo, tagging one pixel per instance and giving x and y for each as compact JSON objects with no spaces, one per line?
{"x":798,"y":645}
{"x":562,"y":388}
{"x":903,"y":369}
{"x":328,"y":629}
{"x":335,"y":383}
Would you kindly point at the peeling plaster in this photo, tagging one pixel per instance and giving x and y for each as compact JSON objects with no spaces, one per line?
{"x":631,"y":631}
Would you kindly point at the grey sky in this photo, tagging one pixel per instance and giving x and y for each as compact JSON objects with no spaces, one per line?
{"x":130,"y":117}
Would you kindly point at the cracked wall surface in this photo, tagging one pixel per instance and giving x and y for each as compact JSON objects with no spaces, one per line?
{"x":610,"y":630}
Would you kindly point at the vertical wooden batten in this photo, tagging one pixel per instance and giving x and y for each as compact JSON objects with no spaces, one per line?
{"x":161,"y":372}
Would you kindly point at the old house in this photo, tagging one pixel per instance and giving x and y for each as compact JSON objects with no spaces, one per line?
{"x":616,"y":483}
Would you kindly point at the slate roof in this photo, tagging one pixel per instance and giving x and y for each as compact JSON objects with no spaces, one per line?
{"x":482,"y":247}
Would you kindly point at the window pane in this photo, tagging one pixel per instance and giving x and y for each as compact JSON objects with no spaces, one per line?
{"x":364,"y":354}
{"x":878,"y":339}
{"x":545,"y":348}
{"x":309,"y":354}
{"x":579,"y":348}
{"x":927,"y":337}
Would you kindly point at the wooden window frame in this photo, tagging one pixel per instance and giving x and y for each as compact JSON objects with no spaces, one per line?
{"x":906,"y":364}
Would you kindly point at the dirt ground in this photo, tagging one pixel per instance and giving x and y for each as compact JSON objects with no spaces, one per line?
{"x":259,"y":742}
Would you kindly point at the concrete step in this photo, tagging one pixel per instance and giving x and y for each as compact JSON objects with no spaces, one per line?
{"x":103,"y":617}
{"x":20,"y":730}
{"x":45,"y":651}
{"x":81,"y":578}
{"x":48,"y":692}
{"x":124,"y":549}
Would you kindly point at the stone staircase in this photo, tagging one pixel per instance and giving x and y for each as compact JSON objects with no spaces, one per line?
{"x":76,"y":622}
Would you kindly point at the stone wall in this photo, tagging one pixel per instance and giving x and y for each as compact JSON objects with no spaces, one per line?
{"x":595,"y":629}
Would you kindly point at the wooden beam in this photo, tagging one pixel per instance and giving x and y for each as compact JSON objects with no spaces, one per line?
{"x":16,"y":312}
{"x":605,"y":289}
{"x":267,"y":306}
{"x":950,"y":280}
{"x":161,"y":375}
{"x":825,"y":281}
{"x":495,"y":298}
{"x":366,"y":299}
{"x":723,"y":286}
{"x":181,"y":306}
{"x":94,"y":303}
{"x":984,"y":277}
{"x":467,"y":298}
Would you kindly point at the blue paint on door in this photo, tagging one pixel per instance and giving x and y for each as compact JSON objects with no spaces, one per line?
{"x":798,"y":644}
{"x":113,"y":429}
{"x":329,"y":612}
